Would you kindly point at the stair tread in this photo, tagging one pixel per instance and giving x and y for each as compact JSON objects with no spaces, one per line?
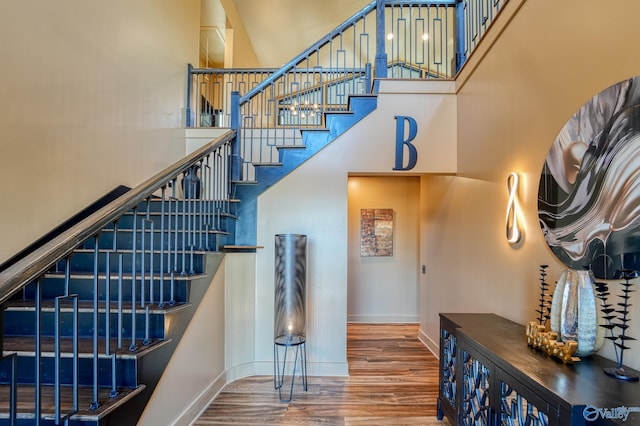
{"x":340,"y":112}
{"x":197,"y":212}
{"x":114,"y":276}
{"x":142,"y":212}
{"x":24,"y":346}
{"x":85,"y":306}
{"x":197,"y":251}
{"x":274,"y":164}
{"x":166,"y":201}
{"x":25,"y":401}
{"x":240,"y":248}
{"x":157,"y":230}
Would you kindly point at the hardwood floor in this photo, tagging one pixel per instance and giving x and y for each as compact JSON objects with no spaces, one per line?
{"x":393,"y":380}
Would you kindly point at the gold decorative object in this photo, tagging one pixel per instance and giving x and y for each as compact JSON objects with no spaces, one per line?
{"x":538,"y":334}
{"x":539,"y":337}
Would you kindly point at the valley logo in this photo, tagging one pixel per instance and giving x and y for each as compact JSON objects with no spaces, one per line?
{"x":591,"y":413}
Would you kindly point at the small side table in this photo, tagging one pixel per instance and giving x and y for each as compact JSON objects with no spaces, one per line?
{"x":296,"y":342}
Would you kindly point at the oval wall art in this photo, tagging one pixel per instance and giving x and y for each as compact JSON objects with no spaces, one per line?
{"x":589,"y":193}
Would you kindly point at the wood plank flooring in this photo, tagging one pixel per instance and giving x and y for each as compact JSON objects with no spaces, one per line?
{"x":393,"y":380}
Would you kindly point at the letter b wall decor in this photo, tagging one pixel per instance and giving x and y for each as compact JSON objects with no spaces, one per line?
{"x":401,"y":142}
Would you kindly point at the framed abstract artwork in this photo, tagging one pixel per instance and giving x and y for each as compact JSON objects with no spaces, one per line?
{"x":589,"y":191}
{"x":376,"y":232}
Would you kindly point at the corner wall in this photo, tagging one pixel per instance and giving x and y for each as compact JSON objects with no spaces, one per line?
{"x":550,"y":59}
{"x":196,"y":369}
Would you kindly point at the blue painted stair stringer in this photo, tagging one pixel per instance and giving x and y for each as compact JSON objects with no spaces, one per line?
{"x":313,"y":141}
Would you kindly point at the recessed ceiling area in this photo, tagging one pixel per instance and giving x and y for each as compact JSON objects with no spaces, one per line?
{"x":213,"y":25}
{"x":277,"y":29}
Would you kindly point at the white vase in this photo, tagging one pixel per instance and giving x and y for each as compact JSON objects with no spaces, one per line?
{"x":575,"y":311}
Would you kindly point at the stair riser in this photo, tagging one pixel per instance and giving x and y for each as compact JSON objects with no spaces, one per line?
{"x":54,"y":287}
{"x":84,"y":262}
{"x":339,"y":123}
{"x":198,"y":220}
{"x":126,"y":371}
{"x":362,"y":105}
{"x":45,"y":422}
{"x":22,"y":323}
{"x":186,"y":206}
{"x":203,"y":241}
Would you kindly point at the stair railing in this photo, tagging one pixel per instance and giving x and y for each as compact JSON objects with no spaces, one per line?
{"x":404,"y":39}
{"x":192,"y":214}
{"x":296,"y":96}
{"x":397,"y":39}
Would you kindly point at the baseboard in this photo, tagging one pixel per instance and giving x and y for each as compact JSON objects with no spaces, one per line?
{"x":201,"y":402}
{"x":243,"y":370}
{"x":328,"y":369}
{"x":384,"y":319}
{"x":433,"y":347}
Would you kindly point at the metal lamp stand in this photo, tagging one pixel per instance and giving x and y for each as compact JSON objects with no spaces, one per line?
{"x":297,"y":344}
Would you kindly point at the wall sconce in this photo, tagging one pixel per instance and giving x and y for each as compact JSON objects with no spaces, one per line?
{"x":512,"y":223}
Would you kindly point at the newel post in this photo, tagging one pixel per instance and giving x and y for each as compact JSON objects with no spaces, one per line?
{"x":236,"y":164}
{"x":381,"y":55}
{"x":188,"y":118}
{"x":461,"y":48}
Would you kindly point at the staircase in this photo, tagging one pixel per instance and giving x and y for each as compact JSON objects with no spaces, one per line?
{"x":102,"y":312}
{"x":134,"y":311}
{"x":291,"y":157}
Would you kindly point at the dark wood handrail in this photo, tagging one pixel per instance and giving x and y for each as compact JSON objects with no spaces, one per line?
{"x":317,"y":45}
{"x":36,"y":263}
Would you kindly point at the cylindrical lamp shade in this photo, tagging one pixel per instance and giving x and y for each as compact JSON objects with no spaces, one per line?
{"x":290,"y":289}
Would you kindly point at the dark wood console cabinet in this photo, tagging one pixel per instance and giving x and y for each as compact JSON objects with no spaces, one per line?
{"x":490,"y":376}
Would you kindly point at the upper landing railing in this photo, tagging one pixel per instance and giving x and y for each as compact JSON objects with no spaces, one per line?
{"x":395,"y":39}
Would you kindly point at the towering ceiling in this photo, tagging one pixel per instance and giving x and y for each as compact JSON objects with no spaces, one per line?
{"x":281,"y":29}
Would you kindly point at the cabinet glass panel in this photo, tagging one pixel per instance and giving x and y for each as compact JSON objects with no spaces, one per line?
{"x":448,"y":359}
{"x":475,"y":392}
{"x":515,"y":410}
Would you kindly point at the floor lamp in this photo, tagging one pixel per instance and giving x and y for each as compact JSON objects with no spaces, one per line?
{"x":290,"y":309}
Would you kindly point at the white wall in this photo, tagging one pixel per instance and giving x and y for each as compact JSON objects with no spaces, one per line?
{"x":216,"y":348}
{"x":312,"y":200}
{"x":240,"y":308}
{"x":91,"y":96}
{"x":511,"y":106}
{"x":196,"y":370}
{"x":384,"y":289}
